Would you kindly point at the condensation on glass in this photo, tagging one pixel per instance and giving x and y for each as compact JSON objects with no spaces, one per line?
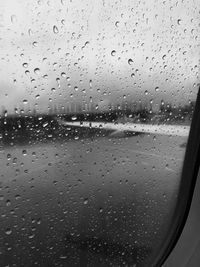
{"x":96,"y":101}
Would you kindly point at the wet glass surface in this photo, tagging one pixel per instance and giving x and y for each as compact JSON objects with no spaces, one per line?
{"x":96,"y":102}
{"x":108,"y":204}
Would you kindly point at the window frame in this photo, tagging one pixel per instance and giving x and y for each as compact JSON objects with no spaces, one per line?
{"x":189,"y":176}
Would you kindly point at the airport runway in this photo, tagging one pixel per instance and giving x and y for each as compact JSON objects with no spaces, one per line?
{"x":61,"y":202}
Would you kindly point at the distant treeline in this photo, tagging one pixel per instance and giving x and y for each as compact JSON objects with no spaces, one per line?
{"x":49,"y":123}
{"x":35,"y":128}
{"x":20,"y":130}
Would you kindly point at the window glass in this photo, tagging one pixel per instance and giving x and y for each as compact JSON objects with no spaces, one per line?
{"x":96,"y":102}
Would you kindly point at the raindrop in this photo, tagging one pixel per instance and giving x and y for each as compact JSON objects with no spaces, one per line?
{"x":8,"y":231}
{"x":25,"y":101}
{"x":146,"y":92}
{"x":74,"y":118}
{"x":179,"y":21}
{"x":85,"y":202}
{"x":63,"y":257}
{"x":25,"y":65}
{"x":30,"y":32}
{"x":58,"y":82}
{"x":37,"y":71}
{"x":113,"y":53}
{"x":117,"y":23}
{"x":13,"y":19}
{"x":55,"y":29}
{"x":157,"y":89}
{"x":8,"y":202}
{"x":17,"y":197}
{"x":45,"y":124}
{"x":24,"y":152}
{"x":35,"y":43}
{"x":63,"y":74}
{"x":130,"y":61}
{"x":76,"y":88}
{"x":5,"y":113}
{"x":27,"y":72}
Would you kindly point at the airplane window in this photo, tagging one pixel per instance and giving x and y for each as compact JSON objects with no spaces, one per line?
{"x":96,"y":102}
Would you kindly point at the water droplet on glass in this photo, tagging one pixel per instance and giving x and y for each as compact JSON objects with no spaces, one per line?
{"x":45,"y":124}
{"x":13,"y":19}
{"x":24,"y":152}
{"x":27,"y":72}
{"x":63,"y":22}
{"x":58,"y":82}
{"x":8,"y":231}
{"x":25,"y":65}
{"x":85,"y":202}
{"x":157,"y":89}
{"x":117,"y":23}
{"x":63,"y":74}
{"x":55,"y":29}
{"x":179,"y":21}
{"x":90,"y":83}
{"x":35,"y":44}
{"x":74,"y":118}
{"x":17,"y":197}
{"x":30,"y":32}
{"x":8,"y":202}
{"x":25,"y":101}
{"x":130,"y":61}
{"x":37,"y":71}
{"x":113,"y":53}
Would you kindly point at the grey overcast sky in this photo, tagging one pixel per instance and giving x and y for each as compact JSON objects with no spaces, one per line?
{"x":59,"y":51}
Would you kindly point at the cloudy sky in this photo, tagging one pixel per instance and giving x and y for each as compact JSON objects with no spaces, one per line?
{"x":57,"y":52}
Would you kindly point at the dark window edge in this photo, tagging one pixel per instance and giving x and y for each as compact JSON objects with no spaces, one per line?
{"x":185,"y":194}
